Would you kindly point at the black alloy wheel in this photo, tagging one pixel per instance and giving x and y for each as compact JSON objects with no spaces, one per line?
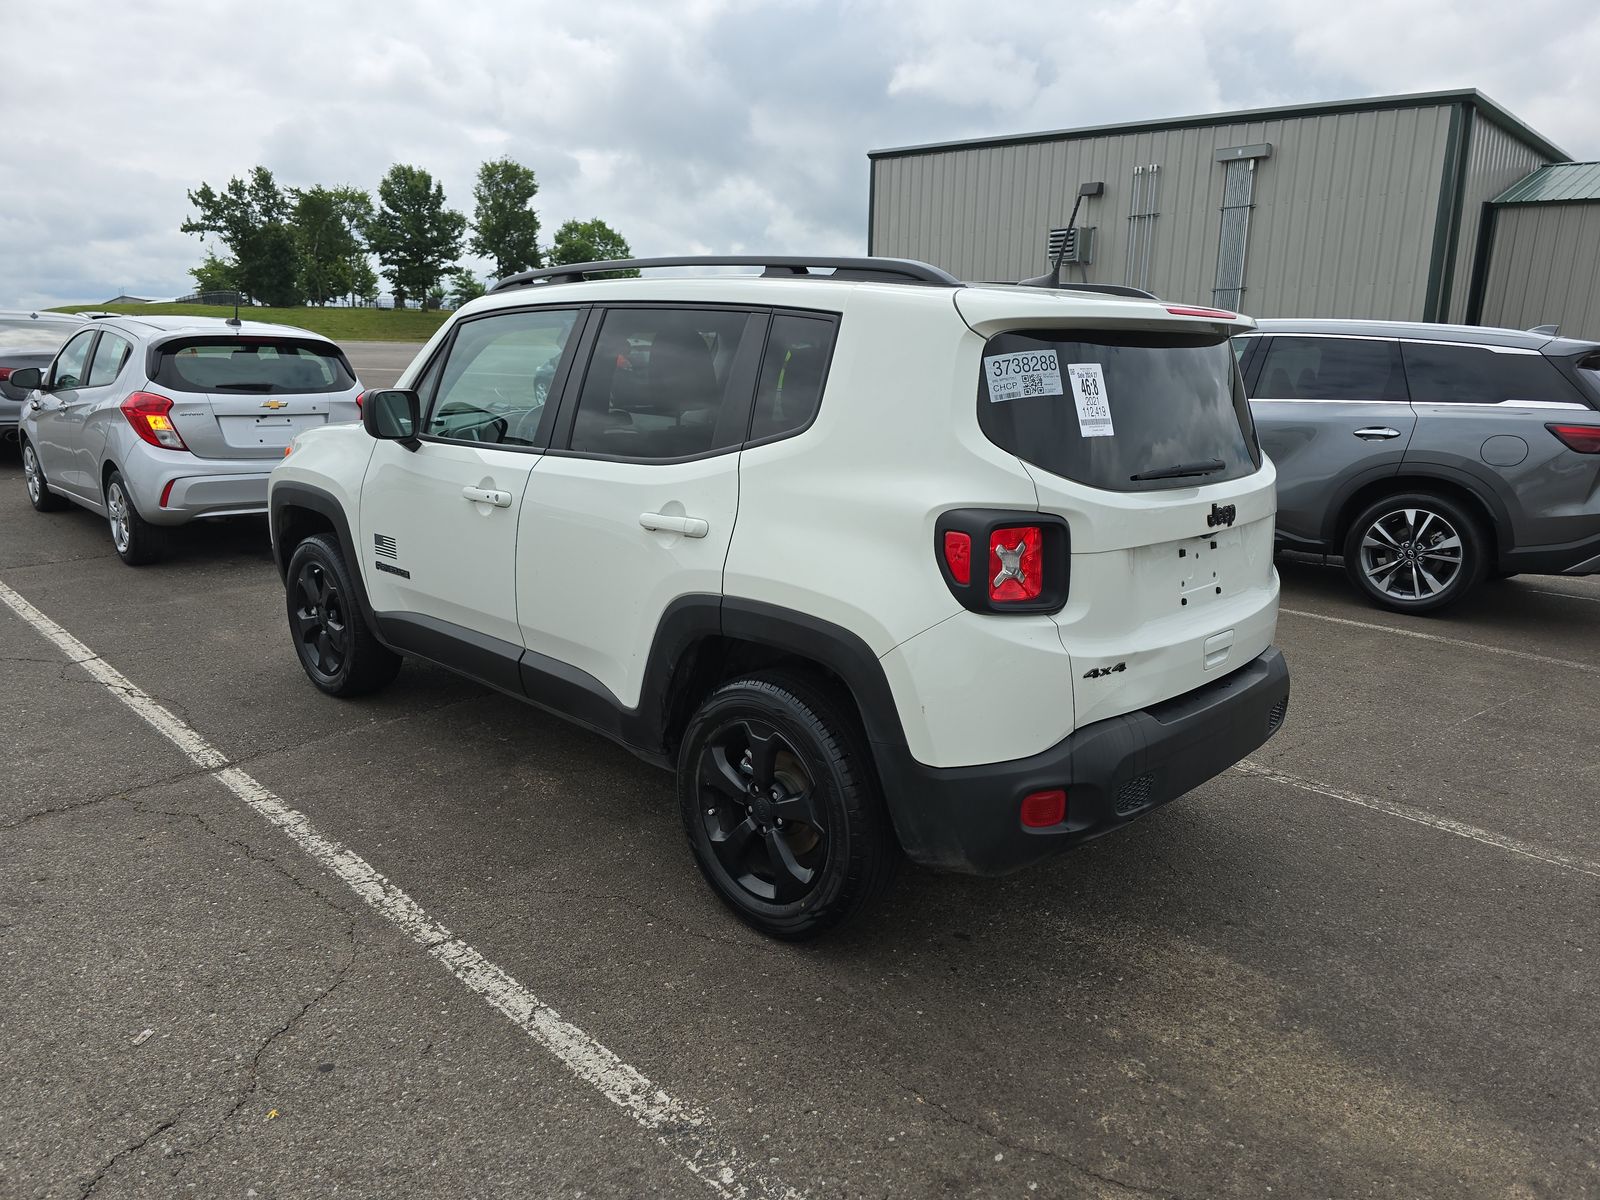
{"x":319,"y":620}
{"x":782,"y":807}
{"x":340,"y":654}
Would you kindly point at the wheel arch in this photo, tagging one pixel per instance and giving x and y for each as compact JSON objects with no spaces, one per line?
{"x":296,"y":511}
{"x":1490,"y":512}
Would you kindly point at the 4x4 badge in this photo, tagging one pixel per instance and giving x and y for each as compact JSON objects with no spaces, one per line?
{"x":1221,"y":514}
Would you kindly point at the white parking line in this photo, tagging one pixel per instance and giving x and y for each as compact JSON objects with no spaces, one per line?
{"x":683,"y":1130}
{"x":1406,"y":812}
{"x":1565,"y":595}
{"x":1525,"y":655}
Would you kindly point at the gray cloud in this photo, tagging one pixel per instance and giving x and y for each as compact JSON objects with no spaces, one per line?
{"x":695,"y":126}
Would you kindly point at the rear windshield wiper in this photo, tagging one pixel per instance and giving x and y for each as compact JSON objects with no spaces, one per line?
{"x":1182,"y":470}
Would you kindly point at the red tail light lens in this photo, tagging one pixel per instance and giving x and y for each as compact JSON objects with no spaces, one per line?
{"x":5,"y":374}
{"x":958,"y":556}
{"x":1585,"y":439}
{"x":1041,"y":810}
{"x":148,"y":414}
{"x":1016,"y":563}
{"x":360,"y":396}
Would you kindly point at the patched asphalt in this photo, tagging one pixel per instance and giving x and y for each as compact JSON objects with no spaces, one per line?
{"x":1378,"y":981}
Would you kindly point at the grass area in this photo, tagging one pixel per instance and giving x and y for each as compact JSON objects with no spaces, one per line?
{"x":340,"y":324}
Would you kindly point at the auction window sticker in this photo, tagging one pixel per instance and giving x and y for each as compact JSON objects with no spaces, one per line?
{"x":1093,"y":403}
{"x":1022,"y":374}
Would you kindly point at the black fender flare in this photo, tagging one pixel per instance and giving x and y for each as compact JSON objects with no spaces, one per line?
{"x":290,"y":495}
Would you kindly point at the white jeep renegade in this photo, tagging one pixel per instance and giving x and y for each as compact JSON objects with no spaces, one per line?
{"x":877,"y":561}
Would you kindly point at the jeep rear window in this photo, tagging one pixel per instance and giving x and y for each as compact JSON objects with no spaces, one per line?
{"x":1175,"y":400}
{"x":251,"y":366}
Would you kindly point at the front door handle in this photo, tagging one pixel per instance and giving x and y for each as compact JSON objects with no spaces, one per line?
{"x":662,"y":523}
{"x":1377,"y":433}
{"x":486,"y":496}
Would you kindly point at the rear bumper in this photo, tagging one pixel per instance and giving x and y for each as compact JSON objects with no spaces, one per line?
{"x":193,"y":487}
{"x":1114,"y":771}
{"x":1581,"y":557}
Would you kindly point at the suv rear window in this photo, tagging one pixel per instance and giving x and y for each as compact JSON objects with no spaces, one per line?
{"x":1175,"y":399}
{"x":255,"y":366}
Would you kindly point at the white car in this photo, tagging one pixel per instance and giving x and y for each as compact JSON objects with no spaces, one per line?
{"x":877,"y":561}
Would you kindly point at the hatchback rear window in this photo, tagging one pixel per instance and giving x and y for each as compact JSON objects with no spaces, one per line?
{"x":1126,"y":412}
{"x":255,"y":366}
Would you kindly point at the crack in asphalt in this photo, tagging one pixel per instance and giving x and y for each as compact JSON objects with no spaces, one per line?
{"x":126,"y":1152}
{"x":119,"y":794}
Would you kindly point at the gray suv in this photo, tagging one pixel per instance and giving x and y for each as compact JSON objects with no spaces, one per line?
{"x":1430,"y":456}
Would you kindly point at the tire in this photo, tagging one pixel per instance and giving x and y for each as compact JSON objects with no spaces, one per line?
{"x":335,"y":645}
{"x":39,"y":493}
{"x":782,"y":806}
{"x":1398,"y":570}
{"x":137,"y":541}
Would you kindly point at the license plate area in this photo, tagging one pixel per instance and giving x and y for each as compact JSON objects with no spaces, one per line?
{"x":272,"y":430}
{"x":1202,"y":570}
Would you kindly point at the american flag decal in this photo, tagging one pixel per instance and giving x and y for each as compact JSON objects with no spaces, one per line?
{"x":385,"y":545}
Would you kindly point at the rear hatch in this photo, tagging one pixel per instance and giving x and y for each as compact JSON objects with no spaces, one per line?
{"x":247,"y":395}
{"x":1133,"y":423}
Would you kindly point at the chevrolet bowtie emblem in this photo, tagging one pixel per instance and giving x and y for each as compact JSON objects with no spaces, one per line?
{"x":274,"y":404}
{"x":1010,"y":563}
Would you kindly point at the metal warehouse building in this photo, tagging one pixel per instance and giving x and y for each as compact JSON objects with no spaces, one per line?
{"x":1538,"y":259}
{"x":1390,"y":208}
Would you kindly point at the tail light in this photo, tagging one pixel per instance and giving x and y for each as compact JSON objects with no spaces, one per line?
{"x":5,"y":374}
{"x":1001,"y":561}
{"x":1585,"y":439}
{"x":360,"y":396}
{"x":148,"y":413}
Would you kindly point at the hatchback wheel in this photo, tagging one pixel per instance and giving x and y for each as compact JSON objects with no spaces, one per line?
{"x":336,"y":647}
{"x":782,"y":806}
{"x":137,"y":541}
{"x":39,"y":493}
{"x":1416,"y":552}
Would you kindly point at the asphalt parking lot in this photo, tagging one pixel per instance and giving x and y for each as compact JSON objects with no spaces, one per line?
{"x":1363,"y":964}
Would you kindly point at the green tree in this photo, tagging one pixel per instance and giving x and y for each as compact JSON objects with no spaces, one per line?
{"x":465,"y":286}
{"x":413,"y":234}
{"x":505,"y":228}
{"x":327,"y":225}
{"x":251,"y":218}
{"x":588,"y":241}
{"x":214,"y":275}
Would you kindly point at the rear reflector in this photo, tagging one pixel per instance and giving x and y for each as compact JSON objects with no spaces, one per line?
{"x":166,"y":492}
{"x":958,"y":556}
{"x":147,"y":413}
{"x":1216,"y":313}
{"x":1016,"y":563}
{"x":1040,"y":810}
{"x":1585,"y":439}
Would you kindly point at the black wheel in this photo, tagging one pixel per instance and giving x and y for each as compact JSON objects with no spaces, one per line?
{"x":137,"y":541}
{"x":336,"y":648}
{"x":1416,"y":552}
{"x":43,"y":499}
{"x":782,"y":806}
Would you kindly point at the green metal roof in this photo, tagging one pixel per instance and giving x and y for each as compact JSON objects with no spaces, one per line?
{"x":1559,"y":183}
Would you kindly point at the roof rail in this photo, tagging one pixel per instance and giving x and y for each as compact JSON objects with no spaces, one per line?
{"x":875,"y":270}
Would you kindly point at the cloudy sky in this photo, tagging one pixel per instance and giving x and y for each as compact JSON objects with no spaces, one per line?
{"x":689,"y":125}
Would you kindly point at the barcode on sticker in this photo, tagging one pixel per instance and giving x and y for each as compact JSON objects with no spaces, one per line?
{"x":1090,"y":397}
{"x":1023,"y":373}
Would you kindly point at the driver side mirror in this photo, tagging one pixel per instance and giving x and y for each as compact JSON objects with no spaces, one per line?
{"x":392,"y":415}
{"x":26,"y":378}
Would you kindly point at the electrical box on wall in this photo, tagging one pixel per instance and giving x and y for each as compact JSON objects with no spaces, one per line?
{"x":1079,"y":244}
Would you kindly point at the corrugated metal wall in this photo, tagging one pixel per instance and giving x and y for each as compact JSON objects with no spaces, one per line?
{"x":1495,"y":161}
{"x":1343,"y":223}
{"x":1545,"y":268}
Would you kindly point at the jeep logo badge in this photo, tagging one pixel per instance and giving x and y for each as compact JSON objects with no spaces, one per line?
{"x":1221,"y":514}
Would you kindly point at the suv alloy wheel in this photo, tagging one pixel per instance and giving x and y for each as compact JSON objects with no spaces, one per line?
{"x":336,"y":648}
{"x":1416,"y":552}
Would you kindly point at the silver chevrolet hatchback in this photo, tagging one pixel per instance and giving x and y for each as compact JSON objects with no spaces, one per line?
{"x":156,"y":421}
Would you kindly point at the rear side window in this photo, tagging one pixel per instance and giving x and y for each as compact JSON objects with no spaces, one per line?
{"x":1315,"y":368}
{"x":1474,"y":375}
{"x":1103,"y":408}
{"x":109,"y":356}
{"x":792,"y":373}
{"x":254,"y":366}
{"x":658,"y":384}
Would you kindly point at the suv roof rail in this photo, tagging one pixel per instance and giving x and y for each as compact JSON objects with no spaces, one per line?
{"x":874,"y":270}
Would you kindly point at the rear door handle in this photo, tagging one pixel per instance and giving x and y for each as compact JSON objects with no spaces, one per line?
{"x":486,"y":496}
{"x":1377,"y":433}
{"x":662,"y":523}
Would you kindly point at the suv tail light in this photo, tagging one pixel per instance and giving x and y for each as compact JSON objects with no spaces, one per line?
{"x":148,"y":414}
{"x":1001,"y":561}
{"x":1585,"y":439}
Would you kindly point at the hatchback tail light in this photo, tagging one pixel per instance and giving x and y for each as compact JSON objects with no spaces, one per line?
{"x":1585,"y":439}
{"x":149,"y":414}
{"x":5,"y":374}
{"x":999,"y":560}
{"x":360,"y":396}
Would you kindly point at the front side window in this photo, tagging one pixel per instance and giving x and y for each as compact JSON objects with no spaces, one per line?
{"x":1318,"y":368}
{"x":1475,"y":375}
{"x":658,"y":384}
{"x":251,"y":366}
{"x":497,"y":377}
{"x":68,"y":371}
{"x":1126,"y":412}
{"x":109,"y":356}
{"x":792,"y":373}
